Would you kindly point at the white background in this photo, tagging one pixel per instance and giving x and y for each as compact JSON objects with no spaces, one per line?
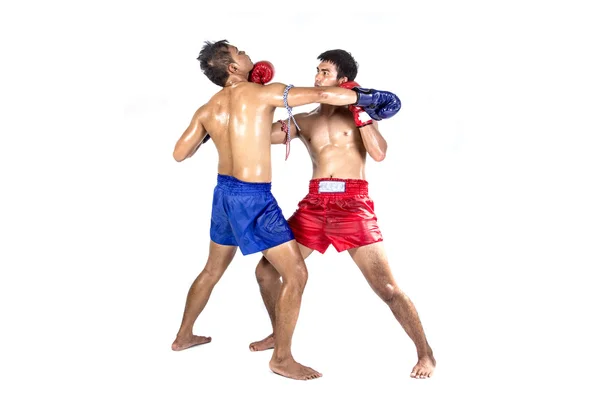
{"x":488,"y":202}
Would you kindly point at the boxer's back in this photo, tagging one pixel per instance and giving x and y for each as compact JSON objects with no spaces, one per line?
{"x":239,"y":123}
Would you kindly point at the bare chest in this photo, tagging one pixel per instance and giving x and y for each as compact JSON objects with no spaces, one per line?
{"x":337,"y":130}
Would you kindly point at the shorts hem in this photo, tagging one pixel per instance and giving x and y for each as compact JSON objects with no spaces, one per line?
{"x":266,"y":246}
{"x":311,"y":246}
{"x":350,"y":247}
{"x":223,"y":242}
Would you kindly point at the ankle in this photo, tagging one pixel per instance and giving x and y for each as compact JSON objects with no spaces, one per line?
{"x":281,"y":358}
{"x":184,"y":334}
{"x":425,"y":353}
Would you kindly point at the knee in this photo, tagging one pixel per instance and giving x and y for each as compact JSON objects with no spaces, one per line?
{"x":211,"y":273}
{"x":300,"y":275}
{"x":297,"y":276}
{"x":388,"y":292}
{"x":265,"y":271}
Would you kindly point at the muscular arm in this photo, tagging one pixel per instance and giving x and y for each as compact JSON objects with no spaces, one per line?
{"x":191,"y":139}
{"x":375,"y":144}
{"x":278,"y":136}
{"x":299,"y":96}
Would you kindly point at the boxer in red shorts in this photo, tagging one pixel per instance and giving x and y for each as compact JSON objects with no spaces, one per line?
{"x":337,"y":210}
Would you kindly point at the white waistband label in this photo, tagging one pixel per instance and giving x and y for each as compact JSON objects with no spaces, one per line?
{"x":332,"y":187}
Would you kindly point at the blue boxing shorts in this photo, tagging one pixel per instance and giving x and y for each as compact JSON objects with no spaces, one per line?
{"x":246,"y":214}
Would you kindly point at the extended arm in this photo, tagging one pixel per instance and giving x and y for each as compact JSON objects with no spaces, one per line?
{"x":300,"y":96}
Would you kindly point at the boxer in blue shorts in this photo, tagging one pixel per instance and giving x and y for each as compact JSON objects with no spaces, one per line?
{"x":245,"y":214}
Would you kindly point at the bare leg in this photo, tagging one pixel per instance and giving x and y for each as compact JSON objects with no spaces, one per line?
{"x":373,"y":263}
{"x":288,"y":261}
{"x":269,"y":282}
{"x":219,"y":258}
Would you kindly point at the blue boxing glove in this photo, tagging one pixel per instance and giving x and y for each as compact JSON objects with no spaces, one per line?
{"x":377,"y":103}
{"x":206,"y":139}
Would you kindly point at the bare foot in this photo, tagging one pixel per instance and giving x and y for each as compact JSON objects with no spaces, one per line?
{"x":424,"y":367}
{"x":265,"y":344}
{"x":291,"y":369}
{"x":182,"y":343}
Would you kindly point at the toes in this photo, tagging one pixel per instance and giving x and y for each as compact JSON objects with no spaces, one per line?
{"x":203,"y":339}
{"x":316,"y":374}
{"x":415,"y":371}
{"x":254,"y":346}
{"x":421,"y":372}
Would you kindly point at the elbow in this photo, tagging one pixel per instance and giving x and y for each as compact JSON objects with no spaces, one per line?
{"x":378,"y":155}
{"x":323,"y":94}
{"x":178,"y":156}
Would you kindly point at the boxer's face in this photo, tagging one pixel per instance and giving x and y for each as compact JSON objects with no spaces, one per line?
{"x":327,"y":75}
{"x":243,"y":63}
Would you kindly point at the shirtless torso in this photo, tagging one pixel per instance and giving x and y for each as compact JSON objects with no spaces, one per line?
{"x":333,"y":142}
{"x":239,"y":118}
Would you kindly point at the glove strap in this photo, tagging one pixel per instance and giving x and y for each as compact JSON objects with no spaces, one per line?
{"x":290,"y":118}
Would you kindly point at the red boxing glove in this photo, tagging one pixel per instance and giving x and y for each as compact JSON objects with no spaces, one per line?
{"x":262,"y":72}
{"x":361,"y":118}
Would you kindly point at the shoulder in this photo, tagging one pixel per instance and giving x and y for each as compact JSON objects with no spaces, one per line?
{"x":203,"y":111}
{"x":275,"y":88}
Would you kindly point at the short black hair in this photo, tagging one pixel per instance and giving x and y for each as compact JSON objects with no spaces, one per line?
{"x":214,"y":59}
{"x":345,"y":63}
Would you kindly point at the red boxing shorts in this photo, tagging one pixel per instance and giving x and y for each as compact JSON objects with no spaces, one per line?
{"x":337,"y":212}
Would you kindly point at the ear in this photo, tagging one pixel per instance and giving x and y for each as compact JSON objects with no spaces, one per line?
{"x":342,"y":80}
{"x":233,"y":68}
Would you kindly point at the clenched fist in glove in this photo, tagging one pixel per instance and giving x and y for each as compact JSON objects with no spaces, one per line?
{"x":262,"y":72}
{"x":361,"y":118}
{"x":378,"y":104}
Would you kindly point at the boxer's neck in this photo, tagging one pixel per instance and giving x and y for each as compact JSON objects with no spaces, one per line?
{"x":233,"y":79}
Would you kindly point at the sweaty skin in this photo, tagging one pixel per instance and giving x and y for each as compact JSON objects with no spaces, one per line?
{"x":338,"y":149}
{"x":239,"y":120}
